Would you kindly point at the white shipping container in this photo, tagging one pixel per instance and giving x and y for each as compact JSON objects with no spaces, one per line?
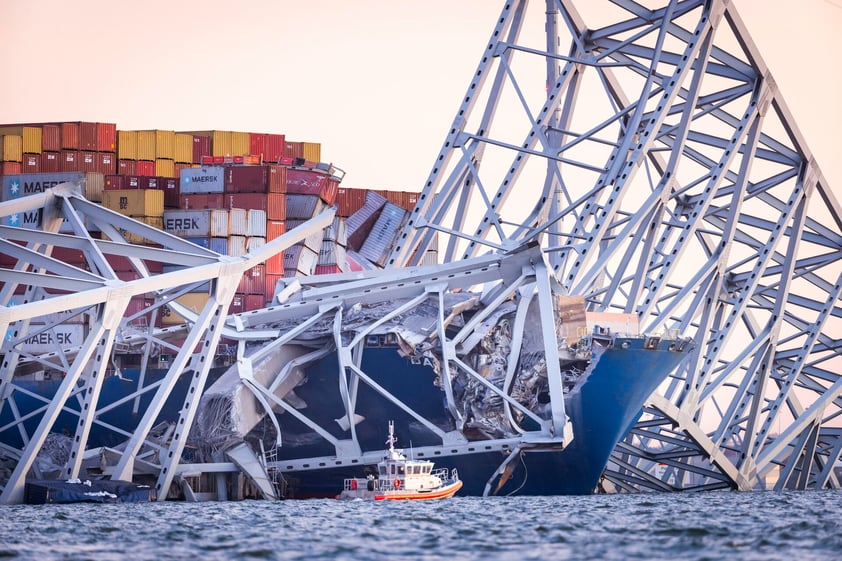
{"x":332,"y":254}
{"x":65,"y":335}
{"x":257,"y":223}
{"x":197,"y":223}
{"x":337,"y":231}
{"x":254,"y":243}
{"x":301,"y":259}
{"x":206,"y":179}
{"x":313,"y":241}
{"x":238,"y":222}
{"x":236,"y":246}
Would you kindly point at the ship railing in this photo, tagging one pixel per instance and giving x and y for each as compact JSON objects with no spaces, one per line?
{"x":446,"y":475}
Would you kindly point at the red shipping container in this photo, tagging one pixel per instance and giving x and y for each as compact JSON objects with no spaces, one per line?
{"x":147,"y":182}
{"x":145,"y":168}
{"x":51,"y":138}
{"x":307,"y":182}
{"x":238,"y":304}
{"x":257,"y":144}
{"x":170,"y":187}
{"x":201,"y":147}
{"x":10,"y":168}
{"x":106,"y":137}
{"x":253,"y":281}
{"x":327,"y":269}
{"x":69,"y":136}
{"x":113,"y":182}
{"x":275,"y":229}
{"x":87,"y":136}
{"x":106,"y":163}
{"x":31,"y":163}
{"x":127,"y":167}
{"x":69,"y":160}
{"x":201,"y":200}
{"x":271,"y":282}
{"x":277,"y":179}
{"x":50,"y":162}
{"x":274,"y":147}
{"x":87,"y":161}
{"x":294,"y":149}
{"x":275,"y":265}
{"x":246,"y":179}
{"x":207,"y":160}
{"x":255,"y":302}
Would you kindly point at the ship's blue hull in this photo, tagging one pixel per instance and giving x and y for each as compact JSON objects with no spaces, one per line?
{"x":602,"y":409}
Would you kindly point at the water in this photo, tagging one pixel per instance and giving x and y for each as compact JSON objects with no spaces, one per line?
{"x":792,"y":526}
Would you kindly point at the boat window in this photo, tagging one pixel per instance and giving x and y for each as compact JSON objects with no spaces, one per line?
{"x":417,"y":470}
{"x":382,"y":470}
{"x":400,"y":469}
{"x":393,"y":469}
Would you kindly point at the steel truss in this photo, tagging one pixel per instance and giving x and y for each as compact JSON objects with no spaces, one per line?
{"x":42,"y":292}
{"x":663,"y":174}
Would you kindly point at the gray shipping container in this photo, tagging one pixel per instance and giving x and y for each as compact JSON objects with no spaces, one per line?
{"x":333,"y":254}
{"x":382,"y":236}
{"x":313,"y":241}
{"x":197,"y":223}
{"x":236,"y":246}
{"x":25,"y":184}
{"x":303,"y":207}
{"x":206,"y":179}
{"x":337,"y":231}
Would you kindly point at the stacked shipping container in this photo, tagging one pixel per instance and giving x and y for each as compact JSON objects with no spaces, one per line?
{"x":214,"y":188}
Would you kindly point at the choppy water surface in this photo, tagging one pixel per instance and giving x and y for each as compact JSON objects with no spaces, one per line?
{"x":796,"y":526}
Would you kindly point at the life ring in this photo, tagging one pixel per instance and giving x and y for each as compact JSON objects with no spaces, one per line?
{"x":397,"y":483}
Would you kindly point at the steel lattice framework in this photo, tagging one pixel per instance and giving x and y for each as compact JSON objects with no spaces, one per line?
{"x":663,"y":174}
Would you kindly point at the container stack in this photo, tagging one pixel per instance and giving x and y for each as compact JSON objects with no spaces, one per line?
{"x":230,"y":192}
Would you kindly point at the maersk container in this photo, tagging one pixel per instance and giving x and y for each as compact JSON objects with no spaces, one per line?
{"x":197,"y":223}
{"x":300,"y":259}
{"x":48,"y":340}
{"x":23,"y":185}
{"x":238,"y":222}
{"x":332,"y":253}
{"x":382,"y":235}
{"x":202,"y":180}
{"x":256,"y":223}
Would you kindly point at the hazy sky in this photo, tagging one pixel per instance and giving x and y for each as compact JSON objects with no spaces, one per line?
{"x":377,"y":83}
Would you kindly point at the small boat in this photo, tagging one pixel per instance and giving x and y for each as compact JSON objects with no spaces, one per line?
{"x":399,"y":478}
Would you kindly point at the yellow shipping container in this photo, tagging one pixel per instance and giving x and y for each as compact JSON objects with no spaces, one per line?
{"x":30,"y":137}
{"x":183,"y":148}
{"x":240,"y":145}
{"x":156,"y":222}
{"x":222,"y":143}
{"x":127,"y":145}
{"x":193,"y":301}
{"x":164,"y":168}
{"x":164,"y":144}
{"x":11,"y":148}
{"x":312,"y":151}
{"x":146,"y":141}
{"x":135,"y":202}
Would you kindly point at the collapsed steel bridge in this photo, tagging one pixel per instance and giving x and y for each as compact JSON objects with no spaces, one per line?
{"x":656,"y":166}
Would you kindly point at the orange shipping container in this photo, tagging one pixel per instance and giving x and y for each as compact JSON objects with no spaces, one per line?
{"x":106,"y":137}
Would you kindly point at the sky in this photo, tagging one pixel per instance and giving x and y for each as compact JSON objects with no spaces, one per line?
{"x":376,"y":83}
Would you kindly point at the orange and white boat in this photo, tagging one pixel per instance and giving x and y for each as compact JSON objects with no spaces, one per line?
{"x":400,"y":478}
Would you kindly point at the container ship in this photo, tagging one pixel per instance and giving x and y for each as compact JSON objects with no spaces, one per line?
{"x":521,"y":389}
